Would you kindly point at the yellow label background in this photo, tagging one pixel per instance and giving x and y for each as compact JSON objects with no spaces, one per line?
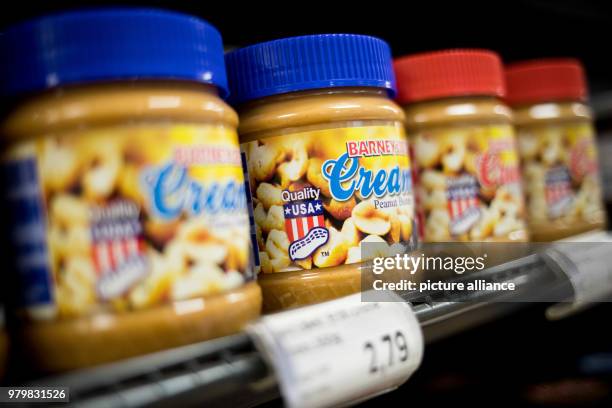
{"x":293,"y":161}
{"x":446,"y":153}
{"x":544,"y":147}
{"x":187,"y":257}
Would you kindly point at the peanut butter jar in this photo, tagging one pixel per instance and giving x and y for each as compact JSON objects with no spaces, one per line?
{"x":124,"y":186}
{"x":327,"y":161}
{"x":557,"y":147}
{"x":466,"y":166}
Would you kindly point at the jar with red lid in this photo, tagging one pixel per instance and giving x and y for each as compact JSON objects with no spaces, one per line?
{"x":557,"y":147}
{"x":466,"y":165}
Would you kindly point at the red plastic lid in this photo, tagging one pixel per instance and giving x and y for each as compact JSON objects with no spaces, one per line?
{"x":545,"y":80}
{"x":441,"y":74}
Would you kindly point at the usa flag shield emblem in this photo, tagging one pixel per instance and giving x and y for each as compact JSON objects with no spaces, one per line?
{"x":559,"y":193}
{"x":462,"y":195}
{"x":305,"y":227}
{"x":118,"y":250}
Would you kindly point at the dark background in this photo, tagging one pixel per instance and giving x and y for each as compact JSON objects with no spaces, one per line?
{"x":517,"y":29}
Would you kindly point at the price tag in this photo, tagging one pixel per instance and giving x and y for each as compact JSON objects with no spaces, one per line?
{"x":340,"y":351}
{"x":587,"y":262}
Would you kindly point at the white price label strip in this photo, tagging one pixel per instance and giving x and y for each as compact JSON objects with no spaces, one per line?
{"x":340,"y":351}
{"x":587,"y":262}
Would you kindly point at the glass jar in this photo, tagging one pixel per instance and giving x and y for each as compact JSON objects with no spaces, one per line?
{"x":126,"y":199}
{"x":327,"y":161}
{"x":557,"y":146}
{"x":466,"y":167}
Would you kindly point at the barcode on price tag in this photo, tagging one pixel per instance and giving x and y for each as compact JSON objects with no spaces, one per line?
{"x":341,"y":351}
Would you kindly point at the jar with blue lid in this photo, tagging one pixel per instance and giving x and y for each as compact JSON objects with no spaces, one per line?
{"x":126,"y":201}
{"x":327,"y":162}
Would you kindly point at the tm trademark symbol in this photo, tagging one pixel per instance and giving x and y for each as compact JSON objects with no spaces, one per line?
{"x":324,"y":253}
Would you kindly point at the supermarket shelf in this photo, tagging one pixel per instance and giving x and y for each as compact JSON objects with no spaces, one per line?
{"x":535,"y":280}
{"x":230,"y":370}
{"x":202,"y":373}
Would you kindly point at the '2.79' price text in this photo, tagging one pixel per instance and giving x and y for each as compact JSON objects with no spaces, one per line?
{"x":388,"y":350}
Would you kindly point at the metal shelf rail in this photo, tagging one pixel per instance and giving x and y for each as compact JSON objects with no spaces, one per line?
{"x":231,"y":371}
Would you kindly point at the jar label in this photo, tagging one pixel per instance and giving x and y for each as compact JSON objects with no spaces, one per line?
{"x":560,"y":171}
{"x":317,"y":195}
{"x":468,"y":184}
{"x":127,"y":217}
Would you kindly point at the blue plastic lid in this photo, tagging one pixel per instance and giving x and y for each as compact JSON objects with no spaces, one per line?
{"x":110,"y":44}
{"x":309,"y":62}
